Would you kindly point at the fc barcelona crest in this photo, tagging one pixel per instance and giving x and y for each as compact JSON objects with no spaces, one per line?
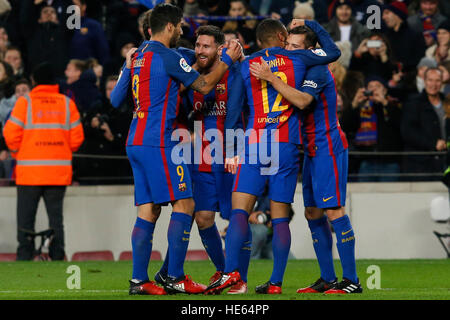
{"x":182,"y":187}
{"x":221,"y":88}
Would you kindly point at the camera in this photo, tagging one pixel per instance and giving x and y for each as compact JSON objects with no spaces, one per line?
{"x":368,"y":93}
{"x":373,"y":43}
{"x":102,"y":119}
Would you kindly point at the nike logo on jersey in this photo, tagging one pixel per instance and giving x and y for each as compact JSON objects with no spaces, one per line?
{"x":325,"y":200}
{"x":344,"y":233}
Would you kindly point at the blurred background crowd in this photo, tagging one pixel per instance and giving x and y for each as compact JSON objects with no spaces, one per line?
{"x":392,"y":81}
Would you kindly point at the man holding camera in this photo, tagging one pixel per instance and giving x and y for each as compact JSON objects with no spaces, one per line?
{"x":372,"y":123}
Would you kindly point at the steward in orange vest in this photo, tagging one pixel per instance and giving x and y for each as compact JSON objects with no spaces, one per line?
{"x":42,"y":132}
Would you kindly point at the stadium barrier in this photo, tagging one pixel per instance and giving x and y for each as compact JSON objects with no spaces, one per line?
{"x":391,"y":221}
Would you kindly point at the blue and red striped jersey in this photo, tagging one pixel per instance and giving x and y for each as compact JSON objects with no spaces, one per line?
{"x":156,"y":75}
{"x":211,"y":111}
{"x":321,"y":131}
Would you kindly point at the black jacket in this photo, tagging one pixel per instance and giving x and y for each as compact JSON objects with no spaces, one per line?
{"x":408,"y":47}
{"x":420,"y":132}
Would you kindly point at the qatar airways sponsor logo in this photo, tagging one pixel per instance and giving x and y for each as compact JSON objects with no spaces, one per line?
{"x":211,"y":108}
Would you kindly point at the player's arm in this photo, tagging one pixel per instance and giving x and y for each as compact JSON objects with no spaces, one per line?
{"x":328,"y":53}
{"x":296,"y":97}
{"x":235,"y":103}
{"x":120,"y":91}
{"x":205,"y":83}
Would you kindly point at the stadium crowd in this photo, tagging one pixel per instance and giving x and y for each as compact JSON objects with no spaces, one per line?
{"x":392,"y":82}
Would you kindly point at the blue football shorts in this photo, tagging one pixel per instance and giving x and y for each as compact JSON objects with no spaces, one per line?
{"x":280,"y":173}
{"x":325,"y":180}
{"x":157,"y":178}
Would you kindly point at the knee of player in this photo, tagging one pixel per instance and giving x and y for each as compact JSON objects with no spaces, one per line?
{"x":204,"y":220}
{"x":184,"y":205}
{"x":335,"y":213}
{"x":312,"y":213}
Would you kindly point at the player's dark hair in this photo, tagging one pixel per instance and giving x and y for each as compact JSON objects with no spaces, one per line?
{"x":230,"y":31}
{"x":310,"y":37}
{"x":268,"y":29}
{"x":146,"y":23}
{"x":213,"y":31}
{"x":164,"y":14}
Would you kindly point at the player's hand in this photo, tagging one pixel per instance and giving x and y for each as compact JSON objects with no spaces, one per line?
{"x":262,"y":71}
{"x":129,"y":56}
{"x":231,"y":164}
{"x":234,"y":50}
{"x":38,"y":2}
{"x":297,"y":23}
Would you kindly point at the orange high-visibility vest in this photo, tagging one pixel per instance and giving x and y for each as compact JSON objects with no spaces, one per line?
{"x":42,"y":132}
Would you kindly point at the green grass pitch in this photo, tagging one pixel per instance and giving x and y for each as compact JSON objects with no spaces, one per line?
{"x":399,"y":280}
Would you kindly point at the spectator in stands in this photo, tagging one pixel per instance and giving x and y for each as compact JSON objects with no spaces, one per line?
{"x":80,"y":85}
{"x":106,"y":130}
{"x":440,"y":51}
{"x":90,"y":40}
{"x":303,"y":10}
{"x":408,"y":46}
{"x":4,"y":42}
{"x":46,"y":38}
{"x":21,"y":88}
{"x":6,"y":80}
{"x":373,"y":57}
{"x":423,"y":65}
{"x":423,"y":126}
{"x":427,"y":20}
{"x":215,"y":8}
{"x":123,"y":43}
{"x":343,"y":26}
{"x":445,"y":68}
{"x":240,"y":8}
{"x":359,"y":9}
{"x":14,"y":57}
{"x":373,"y":124}
{"x":192,"y":8}
{"x":97,"y":68}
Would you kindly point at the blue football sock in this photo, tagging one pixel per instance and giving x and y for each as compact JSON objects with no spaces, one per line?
{"x":213,"y":245}
{"x":141,"y":243}
{"x":244,"y":257}
{"x":165,"y":266}
{"x":237,"y":234}
{"x":281,"y":244}
{"x":178,"y":238}
{"x":323,"y":246}
{"x":346,"y":247}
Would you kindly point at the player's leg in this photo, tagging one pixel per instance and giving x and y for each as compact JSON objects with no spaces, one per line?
{"x":281,"y":245}
{"x":206,"y":197}
{"x":282,"y":185}
{"x":142,"y":234}
{"x":323,"y":246}
{"x":345,"y":237}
